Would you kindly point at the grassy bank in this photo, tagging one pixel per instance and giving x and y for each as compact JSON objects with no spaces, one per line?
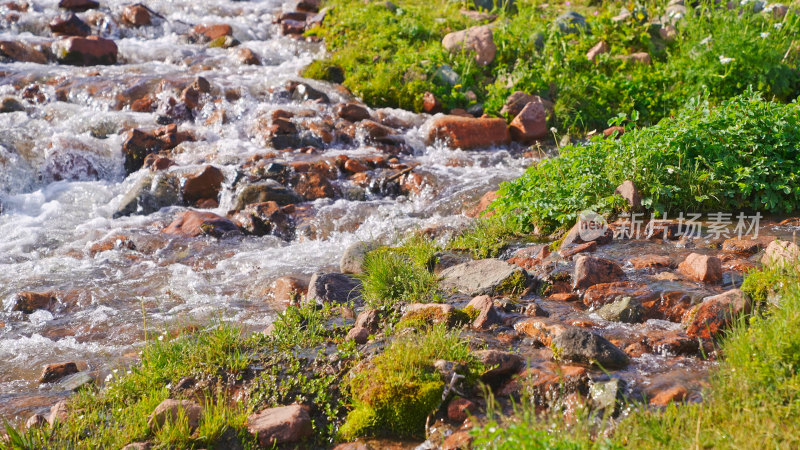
{"x":390,"y":54}
{"x":751,"y":402}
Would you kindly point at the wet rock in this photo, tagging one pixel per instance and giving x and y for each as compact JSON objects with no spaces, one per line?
{"x":309,"y":6}
{"x":293,"y":27}
{"x":599,"y":49}
{"x":572,"y":23}
{"x":431,"y":313}
{"x":608,"y":395}
{"x":75,"y":382}
{"x":498,"y":364}
{"x":583,"y":346}
{"x":573,"y":237}
{"x":312,"y":186}
{"x":169,"y":410}
{"x":469,"y":133}
{"x":19,"y":51}
{"x":651,"y":262}
{"x":359,"y":335}
{"x":485,"y":276}
{"x":71,"y":165}
{"x":302,"y":92}
{"x":540,"y":329}
{"x":247,"y":57}
{"x":431,"y":104}
{"x":569,"y":252}
{"x":78,"y":5}
{"x":85,"y":51}
{"x":10,"y":104}
{"x":196,"y":223}
{"x":747,"y":246}
{"x":716,"y":313}
{"x":35,"y":421}
{"x":27,"y":301}
{"x":369,"y":319}
{"x":564,"y":297}
{"x":260,"y":219}
{"x":266,"y":191}
{"x":603,"y":293}
{"x":590,"y":271}
{"x":140,"y":143}
{"x":352,"y":112}
{"x":288,"y":289}
{"x":548,"y":382}
{"x":333,"y":288}
{"x":517,"y":101}
{"x":71,"y":26}
{"x":535,"y":310}
{"x":530,"y":124}
{"x":487,"y":315}
{"x":203,"y":185}
{"x":57,"y":371}
{"x":150,"y":194}
{"x":672,"y":343}
{"x":460,"y":408}
{"x":58,"y":412}
{"x":780,"y":253}
{"x":353,"y":257}
{"x":673,"y":394}
{"x":483,"y":204}
{"x":207,"y":33}
{"x":281,"y":425}
{"x":627,"y":190}
{"x":136,"y":15}
{"x":624,"y":309}
{"x":477,"y":40}
{"x":707,"y":269}
{"x":458,"y":440}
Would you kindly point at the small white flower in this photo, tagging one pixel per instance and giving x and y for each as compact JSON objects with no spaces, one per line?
{"x":764,"y":35}
{"x":670,"y":170}
{"x":706,"y":41}
{"x":725,"y":59}
{"x":553,"y":130}
{"x":161,"y":338}
{"x":778,"y":25}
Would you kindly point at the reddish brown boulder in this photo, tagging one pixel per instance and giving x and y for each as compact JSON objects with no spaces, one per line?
{"x":460,"y":408}
{"x":352,"y":112}
{"x":196,"y":223}
{"x":707,"y":269}
{"x":86,"y":51}
{"x":71,"y":26}
{"x":313,"y":186}
{"x":670,"y":306}
{"x":359,"y":335}
{"x":136,"y":15}
{"x":281,"y":425}
{"x":569,"y":252}
{"x":530,"y":124}
{"x":672,"y":342}
{"x":476,"y":40}
{"x":204,"y":185}
{"x":540,"y":329}
{"x":518,"y":100}
{"x":599,"y":49}
{"x":564,"y":297}
{"x":170,"y":410}
{"x":139,"y":144}
{"x":19,"y":51}
{"x":78,"y":5}
{"x":670,"y":395}
{"x":308,"y":6}
{"x":57,"y":371}
{"x":214,"y":31}
{"x":651,"y":262}
{"x":293,"y":27}
{"x":603,"y":293}
{"x":431,"y":104}
{"x":287,"y":289}
{"x":468,"y":133}
{"x":628,"y":191}
{"x":28,"y":302}
{"x":248,"y":57}
{"x":355,"y":166}
{"x":487,"y":315}
{"x":716,"y":313}
{"x":615,"y":131}
{"x":590,"y":271}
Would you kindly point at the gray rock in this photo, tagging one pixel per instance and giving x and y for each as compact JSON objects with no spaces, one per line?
{"x":447,"y":75}
{"x":10,"y":104}
{"x":445,"y":260}
{"x":75,"y":382}
{"x":498,"y":363}
{"x":483,"y":276}
{"x":150,"y":194}
{"x":353,"y":257}
{"x":623,"y":309}
{"x":583,"y":346}
{"x":333,"y":288}
{"x":265,"y":191}
{"x":608,"y":395}
{"x":571,"y":23}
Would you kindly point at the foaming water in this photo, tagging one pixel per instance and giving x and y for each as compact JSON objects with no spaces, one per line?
{"x":62,"y":179}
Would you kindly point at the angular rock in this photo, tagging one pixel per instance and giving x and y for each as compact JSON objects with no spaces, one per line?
{"x":747,"y":246}
{"x":540,"y":329}
{"x":530,"y":124}
{"x":573,"y":236}
{"x":485,"y":276}
{"x":780,"y":253}
{"x":477,"y":40}
{"x":569,"y":252}
{"x":27,"y":301}
{"x":139,"y":144}
{"x":707,"y":269}
{"x":169,"y":410}
{"x":248,"y":57}
{"x":716,"y":313}
{"x":603,"y":293}
{"x":266,"y":191}
{"x":627,"y":190}
{"x":651,"y":262}
{"x":460,"y":408}
{"x":281,"y":425}
{"x":608,"y":395}
{"x":208,"y":33}
{"x":78,"y":5}
{"x":260,"y":219}
{"x":359,"y":335}
{"x":333,"y":288}
{"x":197,"y":223}
{"x":150,"y":194}
{"x":58,"y":412}
{"x":487,"y":315}
{"x":624,"y":309}
{"x":352,"y":112}
{"x":74,"y":382}
{"x":19,"y":51}
{"x":369,"y":319}
{"x":469,"y":133}
{"x":86,"y":51}
{"x":136,"y":15}
{"x":312,"y":186}
{"x":203,"y":185}
{"x":71,"y":26}
{"x":599,"y":49}
{"x":517,"y":101}
{"x":590,"y":271}
{"x":353,"y":257}
{"x":288,"y":289}
{"x":498,"y":364}
{"x":583,"y":346}
{"x":673,"y":394}
{"x":35,"y":421}
{"x":57,"y":371}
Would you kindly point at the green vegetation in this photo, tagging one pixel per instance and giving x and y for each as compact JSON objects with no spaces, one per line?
{"x":395,"y":393}
{"x":739,"y":156}
{"x":752,"y":400}
{"x":487,"y":237}
{"x":401,"y":274}
{"x":392,"y":55}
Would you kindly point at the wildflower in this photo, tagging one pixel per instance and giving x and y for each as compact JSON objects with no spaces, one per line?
{"x":725,"y":59}
{"x":778,"y":25}
{"x":553,"y":130}
{"x":764,"y":35}
{"x":161,"y":337}
{"x":706,"y":41}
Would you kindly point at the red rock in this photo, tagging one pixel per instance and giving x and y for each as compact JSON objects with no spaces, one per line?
{"x":431,"y":104}
{"x":57,"y":371}
{"x":602,"y":293}
{"x":214,"y":31}
{"x":169,"y":411}
{"x":288,"y":289}
{"x":590,"y":271}
{"x":281,"y":425}
{"x":204,"y":185}
{"x":483,"y":204}
{"x":358,"y":334}
{"x":541,"y":329}
{"x":139,"y":144}
{"x":136,"y":15}
{"x":627,"y":190}
{"x":247,"y":57}
{"x":518,"y":100}
{"x":598,"y":49}
{"x":313,"y":186}
{"x":469,"y":133}
{"x":476,"y":40}
{"x":458,"y":440}
{"x":86,"y":51}
{"x":487,"y":315}
{"x":157,"y":162}
{"x":716,"y":313}
{"x":672,"y":342}
{"x":574,"y":236}
{"x":530,"y":124}
{"x":564,"y":297}
{"x":196,"y":223}
{"x":293,"y":27}
{"x":78,"y":5}
{"x":264,"y":218}
{"x":111,"y":243}
{"x":651,"y":262}
{"x":616,"y":132}
{"x":498,"y":363}
{"x":355,"y":166}
{"x":460,"y":408}
{"x":667,"y":396}
{"x":298,"y":16}
{"x":352,"y":112}
{"x":144,"y":104}
{"x":670,"y":306}
{"x":568,"y":253}
{"x":28,"y":302}
{"x":17,"y":6}
{"x":707,"y":269}
{"x":780,"y":253}
{"x":19,"y":51}
{"x":548,"y":382}
{"x":71,"y":26}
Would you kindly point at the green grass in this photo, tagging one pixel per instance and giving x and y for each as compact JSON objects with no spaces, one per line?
{"x":753,"y":398}
{"x":487,"y":237}
{"x":739,"y":156}
{"x":391,"y":58}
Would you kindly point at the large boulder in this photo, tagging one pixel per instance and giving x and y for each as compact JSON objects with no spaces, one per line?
{"x":333,"y":288}
{"x":716,"y":313}
{"x":705,"y":268}
{"x":780,"y":253}
{"x":590,"y":271}
{"x":477,"y":40}
{"x":583,"y":346}
{"x":86,"y":51}
{"x":20,"y":51}
{"x":469,"y":133}
{"x":517,"y":101}
{"x":281,"y":425}
{"x":485,"y":276}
